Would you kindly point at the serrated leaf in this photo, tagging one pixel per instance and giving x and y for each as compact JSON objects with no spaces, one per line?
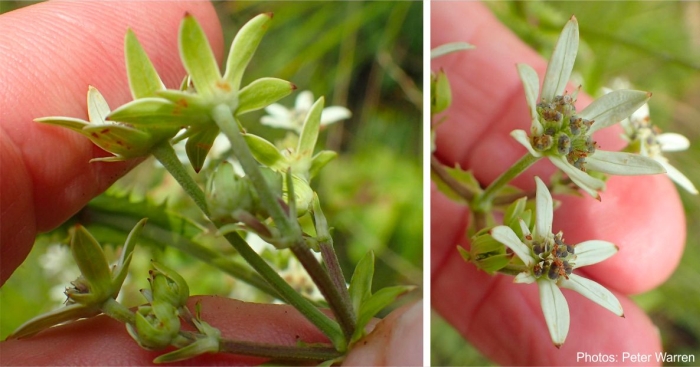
{"x":198,"y":59}
{"x":375,"y":303}
{"x":198,"y":146}
{"x":265,"y":152}
{"x":243,"y":47}
{"x":143,"y":78}
{"x":361,"y":282}
{"x":261,"y":93}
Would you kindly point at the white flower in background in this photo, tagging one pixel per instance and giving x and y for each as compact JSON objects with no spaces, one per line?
{"x":293,"y":119}
{"x":550,"y":263}
{"x":647,"y":140}
{"x":59,"y":266}
{"x":564,"y":136}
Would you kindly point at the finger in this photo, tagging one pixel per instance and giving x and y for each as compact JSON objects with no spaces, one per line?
{"x":491,"y":104}
{"x":397,"y":340}
{"x":103,"y":341}
{"x":47,"y":68}
{"x":505,"y":320}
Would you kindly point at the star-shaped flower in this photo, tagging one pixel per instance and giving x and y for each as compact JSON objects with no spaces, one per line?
{"x":550,"y":263}
{"x":646,"y":139}
{"x":293,"y":119}
{"x":565,"y":136}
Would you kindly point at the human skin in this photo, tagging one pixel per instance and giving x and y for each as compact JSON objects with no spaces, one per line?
{"x":642,"y":215}
{"x":46,"y":175}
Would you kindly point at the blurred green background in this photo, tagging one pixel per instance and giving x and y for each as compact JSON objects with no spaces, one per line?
{"x":654,"y":45}
{"x":364,"y":56}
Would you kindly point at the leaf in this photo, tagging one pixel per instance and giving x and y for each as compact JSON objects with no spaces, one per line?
{"x":320,"y":160}
{"x":243,"y":47}
{"x":157,"y":112}
{"x":261,"y":93}
{"x":91,"y":261}
{"x":466,"y":178}
{"x":198,"y":59}
{"x":143,"y":78}
{"x":120,"y":139}
{"x":122,"y":268}
{"x":198,"y":146}
{"x":52,"y":318}
{"x":74,"y":124}
{"x":265,"y":152}
{"x":377,"y":302}
{"x":309,"y":133}
{"x":449,"y":48}
{"x":441,"y":96}
{"x":361,"y":282}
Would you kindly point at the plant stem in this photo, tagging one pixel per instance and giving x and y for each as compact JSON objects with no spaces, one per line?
{"x":450,"y":181}
{"x":483,"y":202}
{"x":165,"y":154}
{"x":330,"y":258}
{"x":117,"y":311}
{"x":279,"y":352}
{"x":342,"y":310}
{"x":224,"y":119}
{"x":329,"y":327}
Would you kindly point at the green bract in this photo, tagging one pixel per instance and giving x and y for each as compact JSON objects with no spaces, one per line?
{"x":564,"y":136}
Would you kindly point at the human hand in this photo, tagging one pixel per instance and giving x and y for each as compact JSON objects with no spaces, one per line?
{"x":641,"y":215}
{"x":46,"y":176}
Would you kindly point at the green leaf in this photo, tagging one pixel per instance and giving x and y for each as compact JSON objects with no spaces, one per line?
{"x":91,"y":261}
{"x":464,"y":253}
{"x":492,"y":264}
{"x":265,"y":152}
{"x":515,"y":210}
{"x":449,"y":48}
{"x":309,"y":133}
{"x":377,"y":302}
{"x":143,"y":78}
{"x":158,"y":112}
{"x":243,"y":47}
{"x":466,"y":178}
{"x":261,"y":93}
{"x":52,"y":318}
{"x":198,"y":59}
{"x":361,"y":282}
{"x":122,"y":140}
{"x":122,"y":268}
{"x":320,"y":160}
{"x":441,"y":97}
{"x":198,"y":146}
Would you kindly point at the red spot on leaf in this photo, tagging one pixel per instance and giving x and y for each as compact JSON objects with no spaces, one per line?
{"x":223,"y":85}
{"x":104,"y":131}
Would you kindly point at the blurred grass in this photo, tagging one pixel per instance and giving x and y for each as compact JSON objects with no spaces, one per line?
{"x":656,"y":46}
{"x":365,"y":56}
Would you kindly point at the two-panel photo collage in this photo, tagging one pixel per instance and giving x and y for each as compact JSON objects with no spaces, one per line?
{"x":355,"y":183}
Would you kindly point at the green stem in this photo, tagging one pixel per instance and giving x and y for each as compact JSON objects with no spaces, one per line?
{"x":165,"y":154}
{"x":224,"y":119}
{"x":279,"y":352}
{"x":117,"y":311}
{"x":342,"y":310}
{"x":329,"y":327}
{"x":330,"y":258}
{"x":439,"y":170}
{"x":483,"y":202}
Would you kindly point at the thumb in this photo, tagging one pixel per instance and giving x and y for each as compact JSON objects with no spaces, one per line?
{"x":47,"y":67}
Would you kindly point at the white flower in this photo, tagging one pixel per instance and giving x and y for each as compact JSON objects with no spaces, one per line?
{"x":647,"y":140}
{"x":565,"y":136}
{"x":550,"y":263}
{"x":293,"y":119}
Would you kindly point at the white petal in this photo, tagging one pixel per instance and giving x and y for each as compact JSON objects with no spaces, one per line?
{"x":531,"y":83}
{"x":641,"y":114}
{"x":277,"y":122}
{"x":593,"y":252}
{"x":523,"y":227}
{"x":555,"y":309}
{"x":562,"y":61}
{"x":522,"y":138}
{"x":448,"y":48}
{"x":611,"y":108}
{"x":333,"y":114}
{"x":304,"y":101}
{"x":623,"y":164}
{"x":524,"y":278}
{"x":589,"y":184}
{"x":672,"y":142}
{"x":678,"y":177}
{"x":98,"y":109}
{"x":506,"y":236}
{"x":593,"y":291}
{"x":544,"y":209}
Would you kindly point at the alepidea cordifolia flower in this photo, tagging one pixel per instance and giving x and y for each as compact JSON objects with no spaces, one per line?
{"x":293,"y":118}
{"x":564,"y":135}
{"x":550,"y":262}
{"x":648,"y":140}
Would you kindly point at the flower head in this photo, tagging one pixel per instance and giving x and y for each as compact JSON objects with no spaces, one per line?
{"x":550,"y":262}
{"x":564,"y":135}
{"x":648,"y":140}
{"x":293,"y":119}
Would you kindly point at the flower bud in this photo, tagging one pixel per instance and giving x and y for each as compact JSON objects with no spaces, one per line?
{"x":155,"y":326}
{"x":228,"y":192}
{"x":168,"y":286}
